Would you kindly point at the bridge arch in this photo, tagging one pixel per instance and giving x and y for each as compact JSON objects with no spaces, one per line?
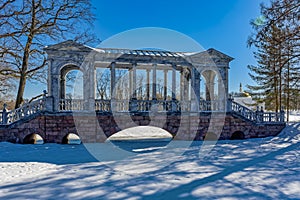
{"x":141,"y":133}
{"x":33,"y":138}
{"x":71,"y":138}
{"x":237,"y":135}
{"x":111,"y":125}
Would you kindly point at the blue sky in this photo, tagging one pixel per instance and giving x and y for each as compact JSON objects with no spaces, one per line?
{"x":220,"y":24}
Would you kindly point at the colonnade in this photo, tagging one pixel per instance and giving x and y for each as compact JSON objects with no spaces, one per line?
{"x":189,"y":82}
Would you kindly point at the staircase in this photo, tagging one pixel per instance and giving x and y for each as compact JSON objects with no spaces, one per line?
{"x":25,"y":111}
{"x":259,"y":117}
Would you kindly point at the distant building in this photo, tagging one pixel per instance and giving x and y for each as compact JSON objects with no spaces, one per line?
{"x":246,"y":100}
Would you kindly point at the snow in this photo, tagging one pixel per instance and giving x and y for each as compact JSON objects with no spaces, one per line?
{"x":39,"y":139}
{"x":141,"y":132}
{"x":264,"y":168}
{"x":294,"y":116}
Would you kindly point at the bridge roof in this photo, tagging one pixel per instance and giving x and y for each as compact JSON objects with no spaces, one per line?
{"x":138,"y":55}
{"x":141,"y":52}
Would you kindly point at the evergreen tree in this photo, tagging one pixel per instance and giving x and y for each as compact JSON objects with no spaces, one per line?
{"x":276,"y":39}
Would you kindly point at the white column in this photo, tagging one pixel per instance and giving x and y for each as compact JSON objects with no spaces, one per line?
{"x":199,"y":90}
{"x":92,"y":80}
{"x":212,"y":87}
{"x":62,"y":87}
{"x":130,"y":83}
{"x":193,"y":84}
{"x":194,"y":92}
{"x":186,"y":86}
{"x":182,"y":85}
{"x":154,"y":82}
{"x":112,"y":79}
{"x":134,"y":80}
{"x":221,"y":94}
{"x":55,"y":88}
{"x":165,"y":83}
{"x":86,"y":85}
{"x":148,"y":84}
{"x":173,"y":82}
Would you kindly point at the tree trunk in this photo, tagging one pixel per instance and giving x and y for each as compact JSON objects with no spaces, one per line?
{"x":19,"y":99}
{"x":23,"y":74}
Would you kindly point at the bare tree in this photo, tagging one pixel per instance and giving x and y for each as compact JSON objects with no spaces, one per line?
{"x":141,"y":87}
{"x":103,"y":84}
{"x":6,"y":85}
{"x":28,"y":26}
{"x":276,"y":39}
{"x":122,"y":84}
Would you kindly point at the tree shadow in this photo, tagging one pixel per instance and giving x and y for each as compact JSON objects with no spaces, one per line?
{"x":228,"y":172}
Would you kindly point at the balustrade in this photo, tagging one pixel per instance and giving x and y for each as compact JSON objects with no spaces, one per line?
{"x":255,"y":116}
{"x":173,"y":106}
{"x":136,"y":105}
{"x":71,"y":104}
{"x":102,"y":105}
{"x":27,"y":109}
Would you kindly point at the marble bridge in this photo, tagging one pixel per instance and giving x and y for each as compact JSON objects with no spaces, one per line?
{"x":97,"y":92}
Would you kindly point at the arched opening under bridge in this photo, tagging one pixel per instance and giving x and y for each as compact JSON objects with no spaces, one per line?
{"x":141,"y":139}
{"x":33,"y":138}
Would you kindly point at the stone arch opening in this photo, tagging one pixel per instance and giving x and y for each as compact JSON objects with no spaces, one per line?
{"x":237,"y":135}
{"x":71,"y":138}
{"x":33,"y":138}
{"x":141,"y":133}
{"x":141,"y":139}
{"x":71,"y":77}
{"x":209,"y":85}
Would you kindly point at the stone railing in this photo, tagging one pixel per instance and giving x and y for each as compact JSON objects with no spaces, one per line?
{"x":208,"y":106}
{"x":102,"y":105}
{"x":270,"y":117}
{"x":71,"y":104}
{"x":172,"y":106}
{"x":258,"y":116}
{"x":156,"y":105}
{"x":136,"y":105}
{"x":26,"y":110}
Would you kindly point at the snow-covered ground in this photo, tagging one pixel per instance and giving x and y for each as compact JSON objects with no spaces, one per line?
{"x":266,"y":168}
{"x":294,"y":116}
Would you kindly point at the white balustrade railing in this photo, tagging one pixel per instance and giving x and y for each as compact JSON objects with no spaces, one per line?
{"x":136,"y":105}
{"x":172,"y":106}
{"x":155,"y":105}
{"x":26,"y":110}
{"x":71,"y":104}
{"x":255,"y":116}
{"x":102,"y":105}
{"x":273,"y":117}
{"x":214,"y":105}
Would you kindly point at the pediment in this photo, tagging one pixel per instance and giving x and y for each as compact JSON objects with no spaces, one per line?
{"x":210,"y":54}
{"x":68,"y":45}
{"x":215,"y":53}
